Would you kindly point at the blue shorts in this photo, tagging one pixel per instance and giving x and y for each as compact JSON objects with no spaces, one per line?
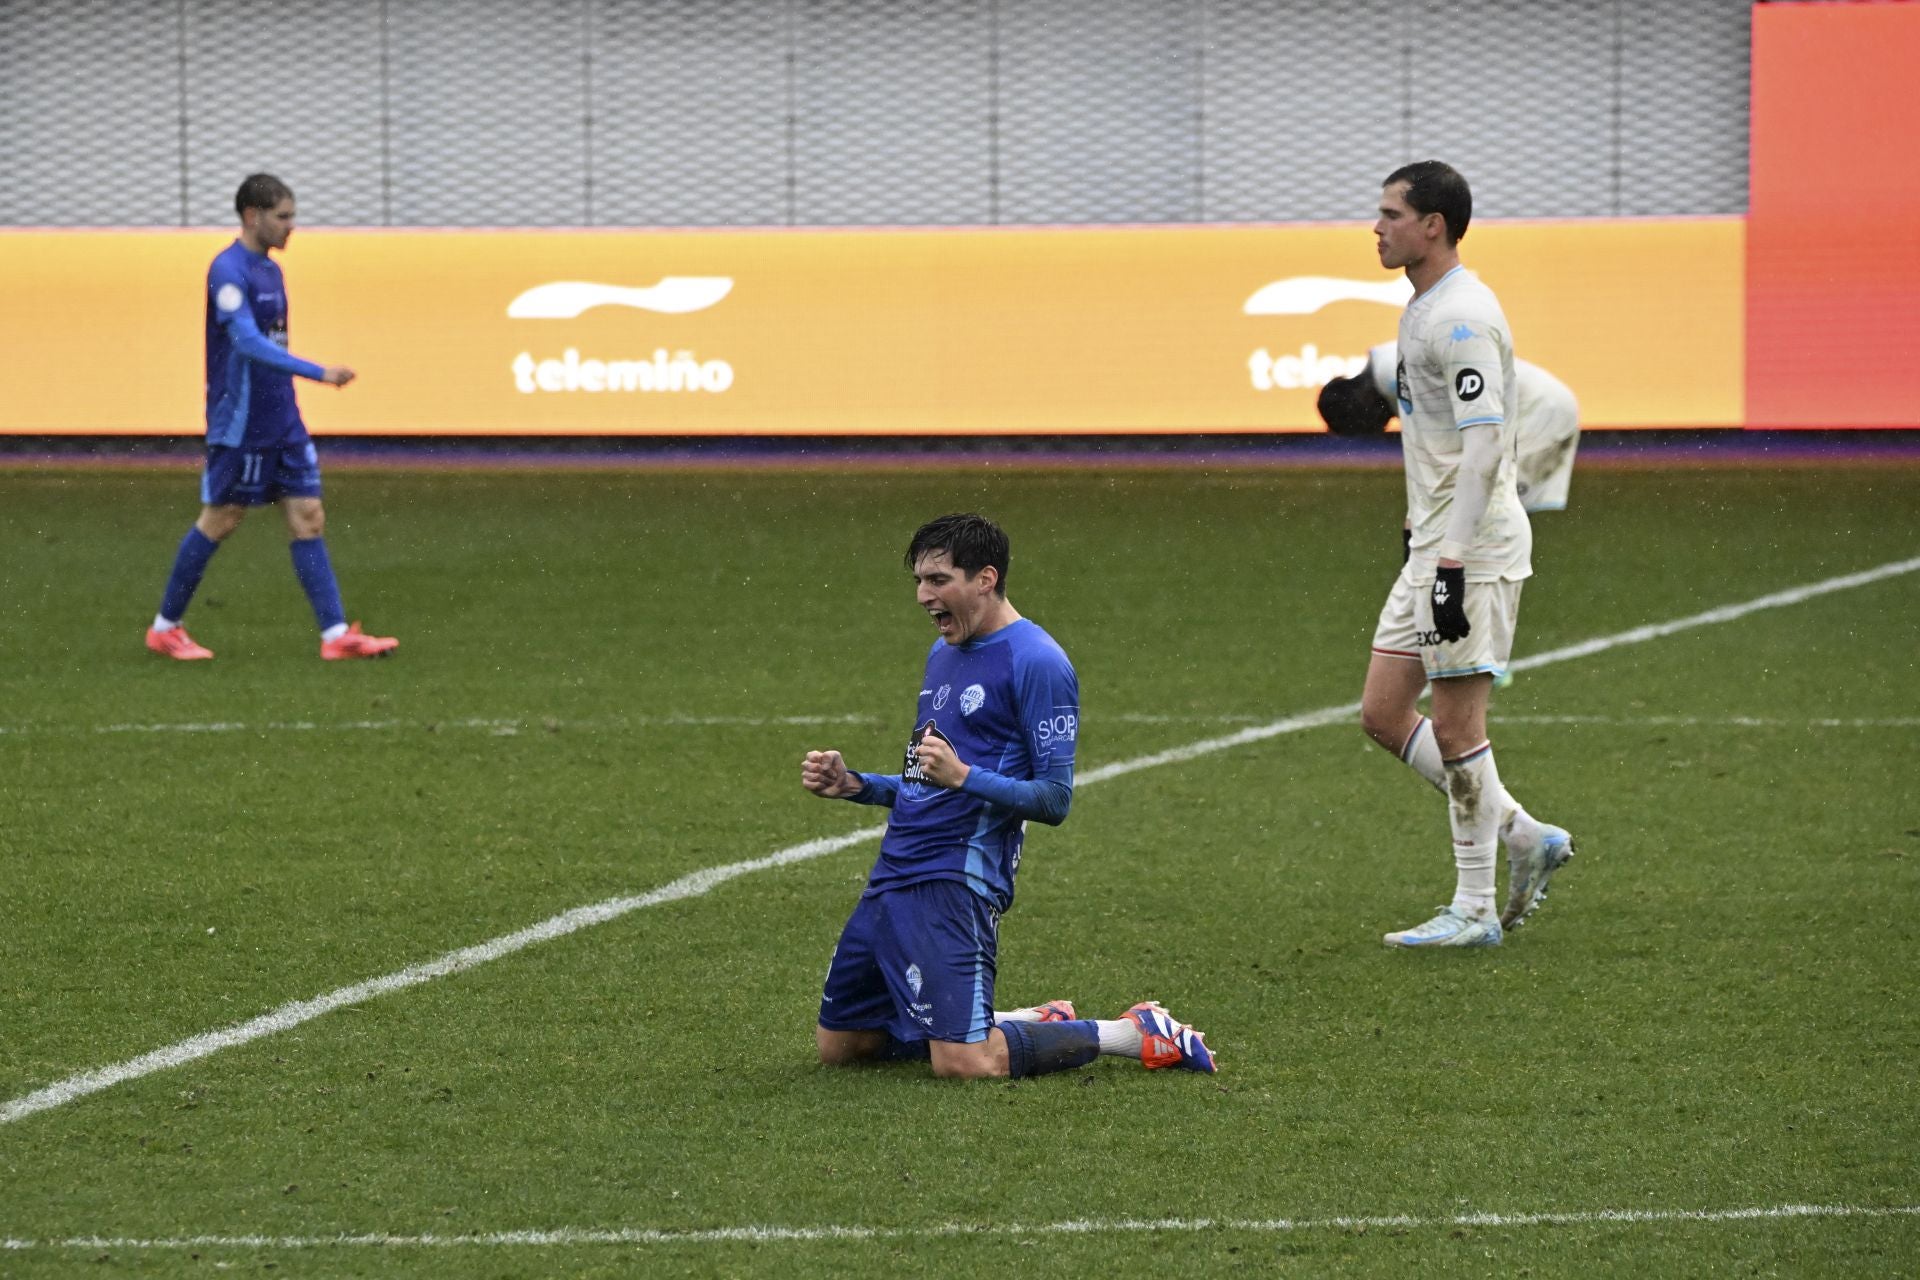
{"x":918,"y":962}
{"x":256,"y":477}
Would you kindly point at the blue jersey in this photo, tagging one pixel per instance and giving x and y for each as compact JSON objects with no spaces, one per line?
{"x":250,"y":374}
{"x":1009,"y":703}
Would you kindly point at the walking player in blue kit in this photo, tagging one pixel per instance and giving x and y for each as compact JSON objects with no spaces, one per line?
{"x":257,"y":446}
{"x":993,"y":746}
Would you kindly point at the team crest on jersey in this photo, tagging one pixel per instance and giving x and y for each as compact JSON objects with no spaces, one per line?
{"x":940,"y":698}
{"x":1400,"y":390}
{"x":970,"y":699}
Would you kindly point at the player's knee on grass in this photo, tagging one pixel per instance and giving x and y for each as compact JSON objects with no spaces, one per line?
{"x":844,"y":1048}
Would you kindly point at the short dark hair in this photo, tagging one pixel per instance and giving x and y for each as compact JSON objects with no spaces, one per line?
{"x":1354,"y":406}
{"x":971,"y":541}
{"x":260,"y":191}
{"x":1433,"y":187}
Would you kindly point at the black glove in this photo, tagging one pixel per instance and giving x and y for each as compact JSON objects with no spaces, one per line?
{"x":1450,"y":604}
{"x":1406,"y":544}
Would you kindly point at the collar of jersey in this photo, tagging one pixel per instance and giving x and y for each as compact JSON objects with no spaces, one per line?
{"x":983,"y":641}
{"x":1451,"y":273}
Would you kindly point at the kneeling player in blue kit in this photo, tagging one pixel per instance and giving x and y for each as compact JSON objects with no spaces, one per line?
{"x":993,"y":745}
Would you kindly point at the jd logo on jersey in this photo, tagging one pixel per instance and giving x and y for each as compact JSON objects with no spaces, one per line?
{"x":1468,"y":384}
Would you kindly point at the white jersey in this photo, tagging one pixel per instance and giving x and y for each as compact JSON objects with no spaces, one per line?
{"x":1456,"y":371}
{"x":1546,"y":426}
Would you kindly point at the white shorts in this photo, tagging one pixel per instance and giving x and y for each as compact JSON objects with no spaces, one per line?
{"x":1405,"y":629}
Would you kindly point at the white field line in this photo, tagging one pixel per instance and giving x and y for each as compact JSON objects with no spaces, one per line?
{"x":1725,"y":613}
{"x":500,"y":725}
{"x":510,"y":726}
{"x":701,"y":882}
{"x":1722,"y":722}
{"x":1075,"y":1227}
{"x":1628,"y":722}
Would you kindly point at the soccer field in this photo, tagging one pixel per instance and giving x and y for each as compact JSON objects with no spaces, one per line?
{"x":1701,"y":1056}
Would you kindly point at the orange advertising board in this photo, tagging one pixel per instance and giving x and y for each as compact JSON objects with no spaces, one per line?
{"x":1834,"y":322}
{"x":896,"y":332}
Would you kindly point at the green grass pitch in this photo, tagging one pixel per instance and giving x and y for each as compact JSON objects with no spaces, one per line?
{"x":605,"y":682}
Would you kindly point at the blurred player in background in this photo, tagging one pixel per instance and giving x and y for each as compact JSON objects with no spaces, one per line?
{"x":996,"y":726}
{"x":257,"y":446}
{"x":1546,"y":422}
{"x":1468,"y":548}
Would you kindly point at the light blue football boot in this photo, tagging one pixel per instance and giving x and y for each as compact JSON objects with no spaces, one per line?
{"x":1528,"y":871}
{"x":1450,"y":928}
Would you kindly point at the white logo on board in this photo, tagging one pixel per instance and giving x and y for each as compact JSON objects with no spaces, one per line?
{"x":566,"y":299}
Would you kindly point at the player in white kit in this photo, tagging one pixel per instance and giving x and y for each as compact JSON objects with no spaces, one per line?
{"x":1450,"y":617}
{"x":1545,"y":412}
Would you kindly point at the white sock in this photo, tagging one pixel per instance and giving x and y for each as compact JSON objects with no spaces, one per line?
{"x":1475,"y":805}
{"x":163,"y":624}
{"x":1521,"y":830}
{"x":334,"y":632}
{"x":1422,"y":755}
{"x":1119,"y":1037}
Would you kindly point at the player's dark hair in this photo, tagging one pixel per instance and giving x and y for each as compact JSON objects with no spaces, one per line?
{"x":971,"y":541}
{"x":1354,"y":407}
{"x":260,"y":191}
{"x":1433,"y":187}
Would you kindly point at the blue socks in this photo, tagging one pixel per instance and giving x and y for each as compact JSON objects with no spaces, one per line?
{"x":310,"y":565}
{"x":189,"y":565}
{"x":315,"y":571}
{"x":1036,"y":1048}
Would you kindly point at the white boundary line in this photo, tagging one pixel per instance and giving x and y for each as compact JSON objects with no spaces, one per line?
{"x":701,"y":882}
{"x":510,"y":726}
{"x":500,"y":725}
{"x":1075,"y":1227}
{"x":1720,"y":722}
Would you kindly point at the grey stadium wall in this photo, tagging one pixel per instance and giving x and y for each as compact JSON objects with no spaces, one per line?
{"x":750,"y":113}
